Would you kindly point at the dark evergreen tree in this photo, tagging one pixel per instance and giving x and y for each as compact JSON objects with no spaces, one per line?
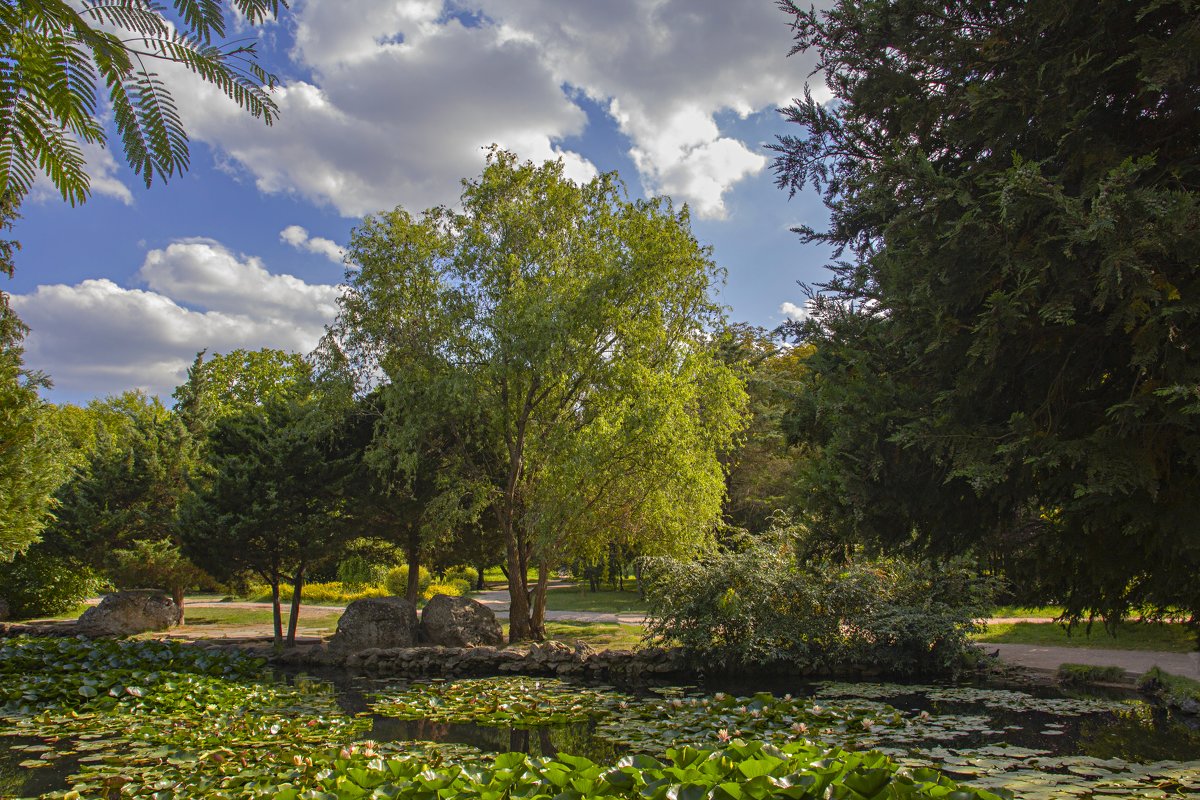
{"x":1007,"y":348}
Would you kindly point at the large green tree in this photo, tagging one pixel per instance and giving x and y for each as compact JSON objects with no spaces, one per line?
{"x":33,"y":457}
{"x":571,"y":323}
{"x":267,"y":502}
{"x":54,"y":54}
{"x":1006,"y":353}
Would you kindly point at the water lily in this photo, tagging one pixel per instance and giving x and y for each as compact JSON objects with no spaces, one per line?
{"x":800,"y":727}
{"x":723,"y":735}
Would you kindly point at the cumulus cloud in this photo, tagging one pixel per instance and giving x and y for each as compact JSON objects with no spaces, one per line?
{"x":401,"y":96}
{"x":298,"y":238}
{"x":97,"y":337}
{"x":796,"y":313}
{"x":102,"y":174}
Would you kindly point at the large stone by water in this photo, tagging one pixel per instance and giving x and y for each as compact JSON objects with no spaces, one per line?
{"x":130,"y":612}
{"x":376,"y":622}
{"x":459,"y":622}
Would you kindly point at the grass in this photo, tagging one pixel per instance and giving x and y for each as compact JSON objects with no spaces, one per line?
{"x":1049,"y":612}
{"x":578,"y":598}
{"x":600,"y":635}
{"x":1170,"y":687}
{"x":1166,"y":637}
{"x":1086,"y":674}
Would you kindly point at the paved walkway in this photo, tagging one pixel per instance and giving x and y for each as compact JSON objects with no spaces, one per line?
{"x":1134,"y":662}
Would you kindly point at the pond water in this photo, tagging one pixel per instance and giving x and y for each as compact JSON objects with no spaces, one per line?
{"x":1035,"y":743}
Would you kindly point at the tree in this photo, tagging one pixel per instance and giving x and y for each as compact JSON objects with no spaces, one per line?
{"x":571,"y":323}
{"x":1006,"y":358}
{"x":762,"y":468}
{"x":230,"y":384}
{"x":53,"y":52}
{"x":33,"y":461}
{"x":265,"y":504}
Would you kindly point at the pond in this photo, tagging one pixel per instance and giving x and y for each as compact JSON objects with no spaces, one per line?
{"x":111,"y":720}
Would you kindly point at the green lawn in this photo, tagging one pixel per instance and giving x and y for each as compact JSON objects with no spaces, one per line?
{"x":1049,"y":612}
{"x":578,"y":598}
{"x":1168,"y":637}
{"x":600,"y":635}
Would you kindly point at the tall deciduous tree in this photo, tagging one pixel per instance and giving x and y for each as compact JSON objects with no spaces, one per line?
{"x":53,"y":54}
{"x":33,"y":461}
{"x":571,"y":322}
{"x":1008,"y":354}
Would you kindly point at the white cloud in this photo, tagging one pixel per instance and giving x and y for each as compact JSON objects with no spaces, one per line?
{"x":796,"y":313}
{"x":402,"y":97}
{"x":98,"y":338}
{"x":298,"y":238}
{"x":102,"y":174}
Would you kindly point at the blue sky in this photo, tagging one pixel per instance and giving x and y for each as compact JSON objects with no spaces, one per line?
{"x":391,"y":102}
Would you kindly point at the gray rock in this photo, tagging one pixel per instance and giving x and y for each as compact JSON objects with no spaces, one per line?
{"x":129,"y":612}
{"x":459,"y":622}
{"x":3,"y":609}
{"x":376,"y":622}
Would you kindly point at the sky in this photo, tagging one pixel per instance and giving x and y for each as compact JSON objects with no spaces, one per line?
{"x":387,"y":103}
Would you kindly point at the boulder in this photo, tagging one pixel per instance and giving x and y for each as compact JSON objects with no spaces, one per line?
{"x":460,"y":622}
{"x":3,"y":609}
{"x":376,"y":622}
{"x":130,"y":612}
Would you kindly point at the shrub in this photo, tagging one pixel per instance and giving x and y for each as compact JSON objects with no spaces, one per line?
{"x":317,"y":593}
{"x":356,"y":571}
{"x":1083,"y":674}
{"x":451,"y":589}
{"x":40,"y":585}
{"x":758,"y":607}
{"x":396,"y":580}
{"x":461,"y":573}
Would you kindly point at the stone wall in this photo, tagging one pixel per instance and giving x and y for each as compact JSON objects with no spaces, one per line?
{"x":546,"y":659}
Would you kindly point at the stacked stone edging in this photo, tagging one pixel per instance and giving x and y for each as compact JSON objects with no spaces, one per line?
{"x":545,"y":659}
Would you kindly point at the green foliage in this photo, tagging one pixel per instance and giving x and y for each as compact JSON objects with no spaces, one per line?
{"x":38,"y":584}
{"x":758,"y":606}
{"x":1003,"y":358}
{"x":1172,"y":689}
{"x":396,"y":580}
{"x":129,"y":482}
{"x":237,"y":382}
{"x":55,"y":54}
{"x":450,"y":588}
{"x":154,"y":564}
{"x":568,"y":325}
{"x":1083,"y":674}
{"x":355,"y":571}
{"x":33,"y":458}
{"x":322,"y":592}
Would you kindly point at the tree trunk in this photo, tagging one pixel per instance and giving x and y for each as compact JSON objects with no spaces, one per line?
{"x":277,"y":613}
{"x":412,"y":554}
{"x":519,"y":628}
{"x":294,"y":612}
{"x":177,"y":596}
{"x":479,"y":585}
{"x":537,"y":616}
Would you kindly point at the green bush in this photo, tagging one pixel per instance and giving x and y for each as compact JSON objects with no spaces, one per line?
{"x":317,"y":593}
{"x":396,"y":580}
{"x":758,"y":607}
{"x":460,"y":573}
{"x":40,"y":585}
{"x":1084,"y":674}
{"x":356,"y":571}
{"x":451,"y":589}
